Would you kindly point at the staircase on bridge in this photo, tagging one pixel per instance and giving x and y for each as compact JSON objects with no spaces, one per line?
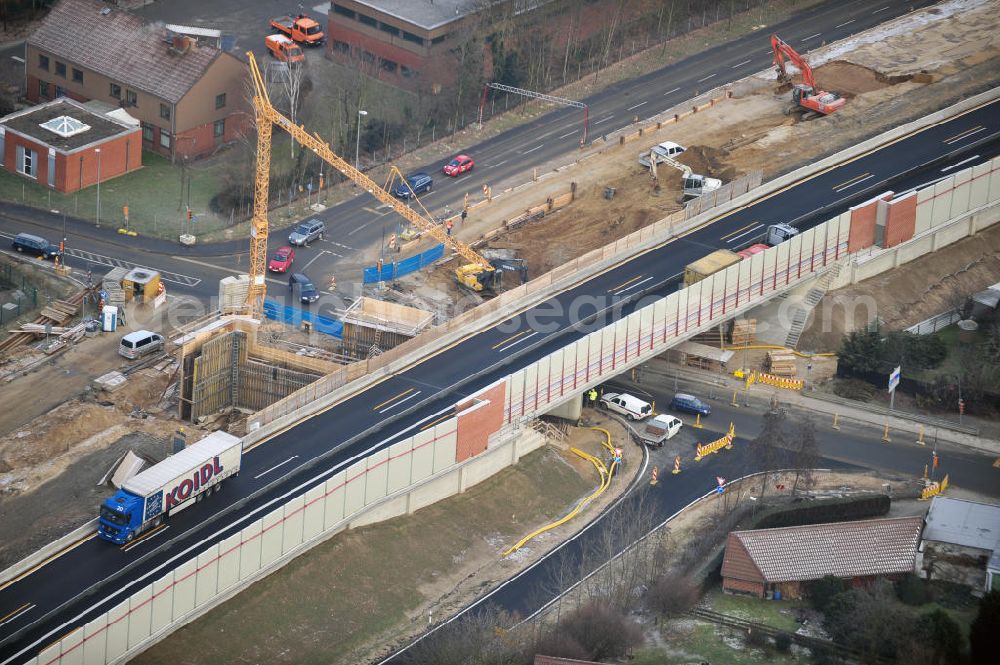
{"x":805,"y":306}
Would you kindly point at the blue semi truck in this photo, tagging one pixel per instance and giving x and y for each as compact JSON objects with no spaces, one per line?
{"x":177,"y":482}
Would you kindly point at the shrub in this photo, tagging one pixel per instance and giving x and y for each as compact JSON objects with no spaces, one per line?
{"x":783,"y":642}
{"x":940,"y":635}
{"x":823,"y":590}
{"x":672,"y":595}
{"x":602,"y":630}
{"x":759,"y":639}
{"x":984,"y":635}
{"x":853,"y":389}
{"x":914,"y":591}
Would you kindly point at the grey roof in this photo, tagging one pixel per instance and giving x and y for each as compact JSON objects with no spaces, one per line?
{"x":843,"y":549}
{"x":28,"y":122}
{"x":430,"y":14}
{"x":427,"y":14}
{"x":964,"y":523}
{"x":122,"y":47}
{"x":990,"y":296}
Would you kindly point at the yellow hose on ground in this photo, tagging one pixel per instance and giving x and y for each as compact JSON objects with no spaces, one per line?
{"x":605,"y":474}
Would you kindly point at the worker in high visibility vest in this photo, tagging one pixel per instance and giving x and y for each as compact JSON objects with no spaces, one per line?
{"x":592,"y":396}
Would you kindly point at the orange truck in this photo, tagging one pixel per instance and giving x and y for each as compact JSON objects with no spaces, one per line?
{"x":301,"y":29}
{"x":284,"y":49}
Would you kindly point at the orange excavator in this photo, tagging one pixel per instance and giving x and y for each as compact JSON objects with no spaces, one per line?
{"x":805,"y":95}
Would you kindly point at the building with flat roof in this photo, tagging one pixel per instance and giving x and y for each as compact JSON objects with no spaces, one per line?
{"x":766,"y":562}
{"x":961,"y":543}
{"x":186,"y":93}
{"x":68,"y":146}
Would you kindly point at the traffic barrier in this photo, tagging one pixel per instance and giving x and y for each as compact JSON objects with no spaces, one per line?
{"x":677,"y":465}
{"x":836,"y":423}
{"x":777,"y":381}
{"x":734,"y":402}
{"x":656,"y":474}
{"x":885,"y":434}
{"x":717,"y":445}
{"x":934,"y":489}
{"x":920,"y":437}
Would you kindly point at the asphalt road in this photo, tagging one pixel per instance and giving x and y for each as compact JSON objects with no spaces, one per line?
{"x":356,"y":226}
{"x":94,"y":576}
{"x":852,"y":448}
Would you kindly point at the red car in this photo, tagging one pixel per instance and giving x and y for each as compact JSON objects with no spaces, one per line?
{"x":281,"y":260}
{"x":459,"y":165}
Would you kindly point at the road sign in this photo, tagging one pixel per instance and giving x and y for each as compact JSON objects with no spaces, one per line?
{"x":894,"y":379}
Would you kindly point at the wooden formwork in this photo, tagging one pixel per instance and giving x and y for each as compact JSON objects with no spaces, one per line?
{"x":377,"y":325}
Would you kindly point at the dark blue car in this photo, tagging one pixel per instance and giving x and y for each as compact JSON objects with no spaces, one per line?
{"x":689,"y":404}
{"x":418,"y":183}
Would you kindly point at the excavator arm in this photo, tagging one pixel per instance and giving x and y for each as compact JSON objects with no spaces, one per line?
{"x":781,"y":51}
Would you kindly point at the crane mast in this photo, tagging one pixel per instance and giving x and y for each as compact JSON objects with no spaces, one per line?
{"x":266,"y":116}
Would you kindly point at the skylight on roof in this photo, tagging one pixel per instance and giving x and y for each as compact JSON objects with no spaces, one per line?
{"x":65,"y":126}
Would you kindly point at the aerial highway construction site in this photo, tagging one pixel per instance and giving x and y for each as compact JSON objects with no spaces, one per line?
{"x":520,"y":404}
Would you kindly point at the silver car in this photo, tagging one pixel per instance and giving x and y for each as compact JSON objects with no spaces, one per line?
{"x":306,"y":232}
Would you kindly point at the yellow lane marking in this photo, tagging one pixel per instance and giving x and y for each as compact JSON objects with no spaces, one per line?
{"x":58,"y":554}
{"x":509,"y":339}
{"x":729,"y":235}
{"x":15,"y":612}
{"x":569,"y":287}
{"x":623,"y":284}
{"x":392,"y":399}
{"x":127,"y":546}
{"x":961,"y":135}
{"x":442,"y":418}
{"x":852,"y":180}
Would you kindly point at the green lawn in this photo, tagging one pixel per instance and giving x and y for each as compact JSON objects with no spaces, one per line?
{"x":768,"y":612}
{"x":695,"y":642}
{"x":153,"y":195}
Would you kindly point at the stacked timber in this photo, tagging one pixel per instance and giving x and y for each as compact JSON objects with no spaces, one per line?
{"x":781,"y":363}
{"x":743,"y":332}
{"x":17,"y":338}
{"x":60,"y":311}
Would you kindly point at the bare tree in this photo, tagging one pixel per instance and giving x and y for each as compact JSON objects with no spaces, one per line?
{"x":767,"y":450}
{"x":804,"y":449}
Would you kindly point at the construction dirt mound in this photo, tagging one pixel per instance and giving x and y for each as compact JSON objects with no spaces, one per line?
{"x":709,"y":161}
{"x":849,"y":80}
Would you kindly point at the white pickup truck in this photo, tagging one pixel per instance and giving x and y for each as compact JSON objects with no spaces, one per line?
{"x":660,"y":429}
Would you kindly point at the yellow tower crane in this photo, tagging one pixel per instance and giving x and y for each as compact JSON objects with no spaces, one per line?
{"x":266,"y":116}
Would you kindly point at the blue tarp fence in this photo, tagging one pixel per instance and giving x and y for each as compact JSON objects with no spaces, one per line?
{"x":295,"y":316}
{"x":391,"y":271}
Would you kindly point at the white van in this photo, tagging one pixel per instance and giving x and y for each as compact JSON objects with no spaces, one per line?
{"x":139,"y":343}
{"x":629,"y":406}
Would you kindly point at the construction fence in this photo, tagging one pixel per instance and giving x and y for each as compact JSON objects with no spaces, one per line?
{"x":295,"y":316}
{"x":394,"y":269}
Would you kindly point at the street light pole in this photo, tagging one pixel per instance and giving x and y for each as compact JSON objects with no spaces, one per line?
{"x":357,"y":142}
{"x":98,"y":151}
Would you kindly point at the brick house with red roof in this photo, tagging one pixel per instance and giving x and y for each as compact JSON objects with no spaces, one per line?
{"x":764,"y":561}
{"x":188,"y":97}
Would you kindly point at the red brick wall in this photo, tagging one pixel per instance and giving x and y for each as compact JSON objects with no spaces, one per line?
{"x":863,"y":221}
{"x":901,"y":220}
{"x":743,"y":586}
{"x":862,"y":232}
{"x":475,"y":427}
{"x":113,"y":162}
